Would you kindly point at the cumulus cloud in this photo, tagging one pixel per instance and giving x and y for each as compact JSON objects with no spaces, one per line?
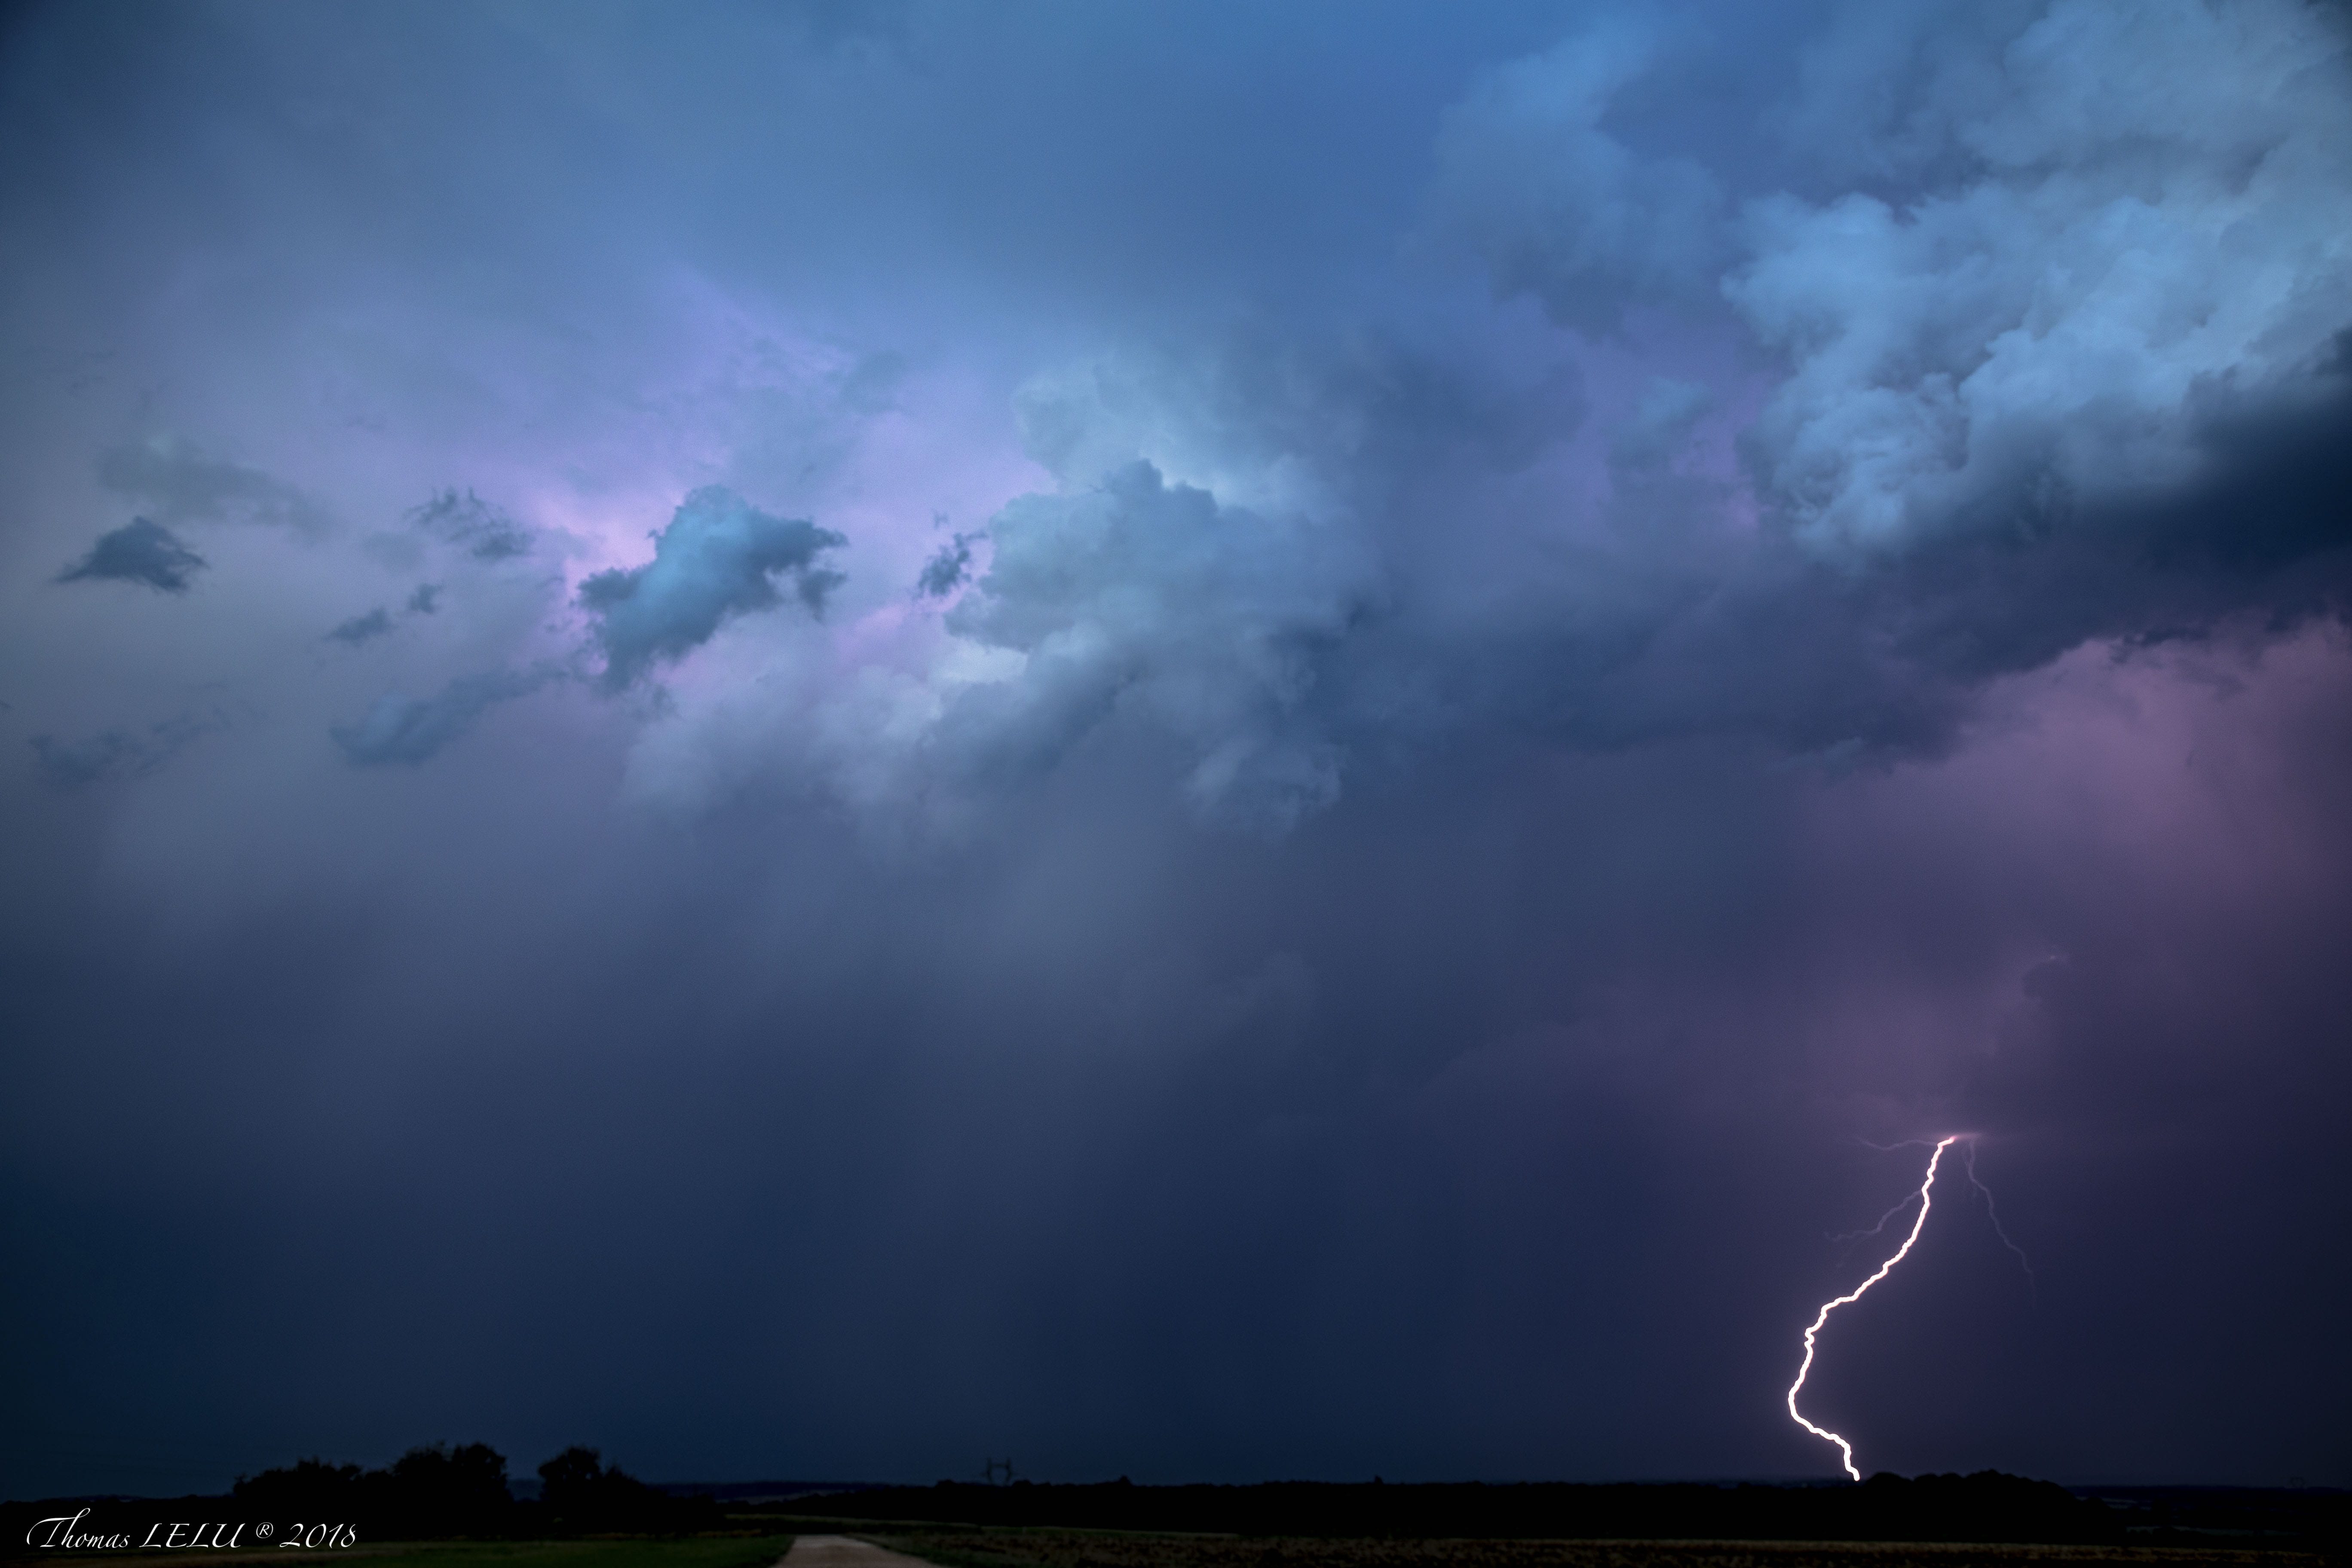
{"x":1400,"y":585}
{"x":719,"y":558}
{"x":2120,"y":218}
{"x":2017,"y":259}
{"x":2050,"y":300}
{"x":139,"y":551}
{"x":1562,"y":207}
{"x":1210,"y":621}
{"x":1147,"y":615}
{"x":408,"y":730}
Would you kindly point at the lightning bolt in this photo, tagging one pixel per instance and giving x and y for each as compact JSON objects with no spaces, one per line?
{"x":1993,"y":1214}
{"x":1926,"y":1201}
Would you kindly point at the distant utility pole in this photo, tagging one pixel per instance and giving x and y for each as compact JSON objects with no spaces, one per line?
{"x":990,"y":1469}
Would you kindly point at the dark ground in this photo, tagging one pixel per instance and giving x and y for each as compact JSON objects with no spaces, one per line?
{"x":1988,"y":1507}
{"x":1932,"y":1521}
{"x":1065,"y":1549}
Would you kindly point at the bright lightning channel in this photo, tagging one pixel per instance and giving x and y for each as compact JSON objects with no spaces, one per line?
{"x":1850,"y":1297}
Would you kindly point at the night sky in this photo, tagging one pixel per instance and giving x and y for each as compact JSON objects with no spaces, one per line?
{"x":1212,"y":741}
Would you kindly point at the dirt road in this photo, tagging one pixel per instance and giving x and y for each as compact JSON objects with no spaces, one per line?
{"x":841,"y":1552}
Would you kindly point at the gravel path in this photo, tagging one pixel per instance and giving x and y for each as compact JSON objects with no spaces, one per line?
{"x":841,"y":1552}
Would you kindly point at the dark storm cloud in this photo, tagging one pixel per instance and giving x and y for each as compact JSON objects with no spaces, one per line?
{"x":719,"y":558}
{"x":2018,"y":370}
{"x":409,"y":730}
{"x":1806,"y":655}
{"x":1282,"y":650}
{"x":139,"y":551}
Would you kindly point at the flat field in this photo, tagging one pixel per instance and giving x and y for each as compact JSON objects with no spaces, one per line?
{"x":1092,"y":1549}
{"x":688,"y":1551}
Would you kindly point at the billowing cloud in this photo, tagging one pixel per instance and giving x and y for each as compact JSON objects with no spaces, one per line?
{"x":1208,"y":621}
{"x":1557,"y":205}
{"x":2143,"y":227}
{"x":2011,"y":366}
{"x":139,"y":551}
{"x":719,"y":558}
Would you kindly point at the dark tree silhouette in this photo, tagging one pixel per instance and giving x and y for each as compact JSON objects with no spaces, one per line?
{"x":442,"y":1490}
{"x":573,"y":1483}
{"x":439,"y":1490}
{"x":581,"y":1492}
{"x":435,"y":1490}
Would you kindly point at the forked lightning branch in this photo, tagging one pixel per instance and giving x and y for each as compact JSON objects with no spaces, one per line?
{"x":1918,"y":1223}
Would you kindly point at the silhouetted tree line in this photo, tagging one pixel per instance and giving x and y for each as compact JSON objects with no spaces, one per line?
{"x":437,"y":1491}
{"x":1985,"y":1507}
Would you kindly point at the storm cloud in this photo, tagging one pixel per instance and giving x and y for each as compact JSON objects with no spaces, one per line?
{"x":1206,"y":744}
{"x":718,"y":558}
{"x":138,"y":551}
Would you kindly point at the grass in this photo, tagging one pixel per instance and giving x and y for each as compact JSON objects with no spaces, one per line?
{"x":1093,"y":1549}
{"x":688,"y":1551}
